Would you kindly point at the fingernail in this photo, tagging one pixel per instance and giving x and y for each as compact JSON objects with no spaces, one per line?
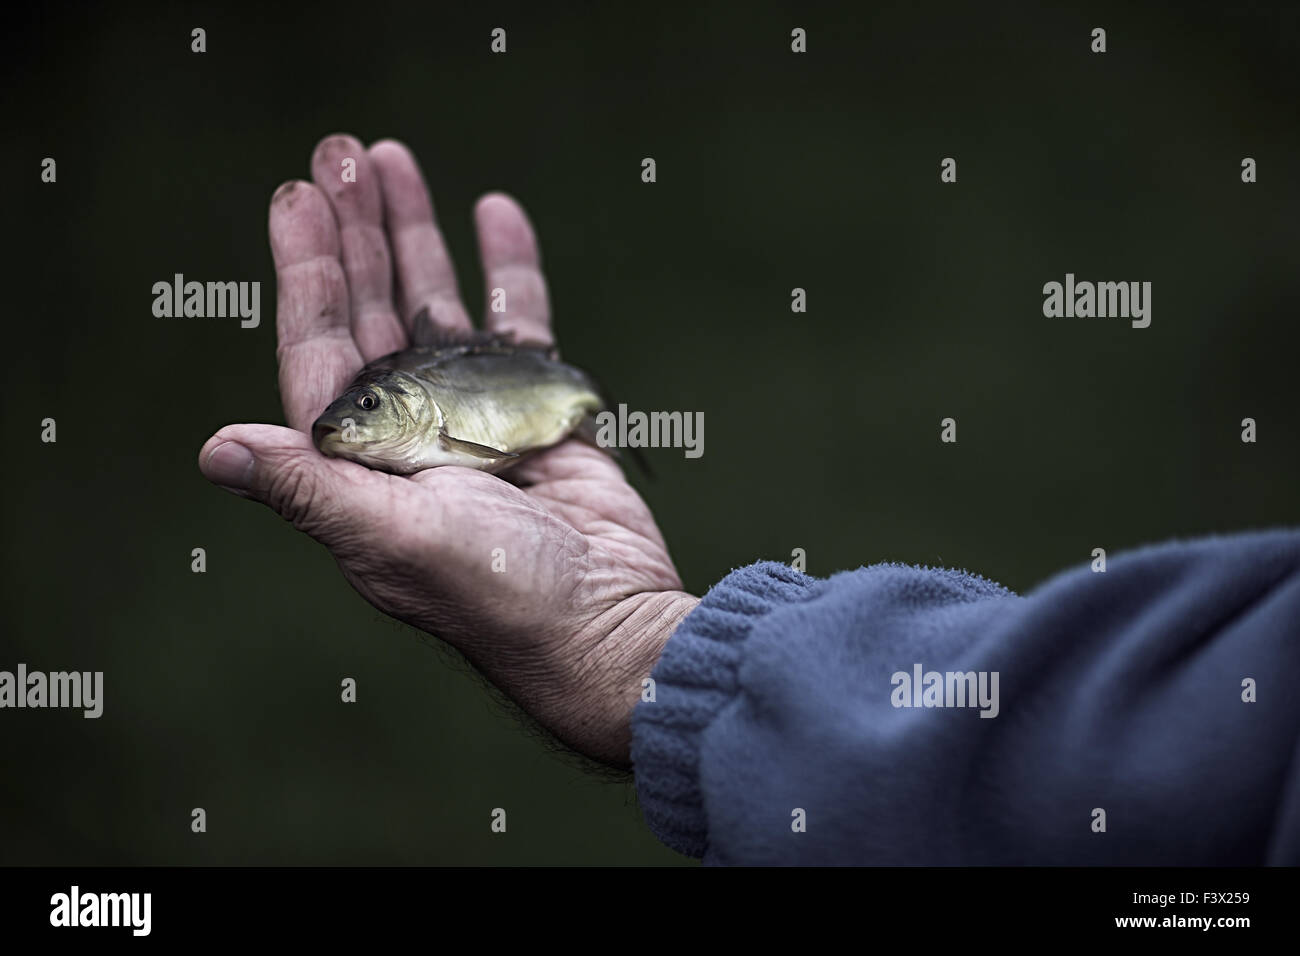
{"x":230,"y":464}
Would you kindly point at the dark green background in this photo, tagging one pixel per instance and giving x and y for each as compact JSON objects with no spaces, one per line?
{"x":775,"y":171}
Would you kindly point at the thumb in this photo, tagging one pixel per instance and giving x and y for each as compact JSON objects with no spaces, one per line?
{"x":327,"y":498}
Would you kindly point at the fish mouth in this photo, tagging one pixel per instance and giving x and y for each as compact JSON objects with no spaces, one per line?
{"x":327,"y":437}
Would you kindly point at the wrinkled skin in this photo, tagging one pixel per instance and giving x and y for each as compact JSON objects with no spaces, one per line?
{"x":589,"y":596}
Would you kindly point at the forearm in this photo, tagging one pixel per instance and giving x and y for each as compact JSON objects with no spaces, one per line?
{"x":1118,"y":691}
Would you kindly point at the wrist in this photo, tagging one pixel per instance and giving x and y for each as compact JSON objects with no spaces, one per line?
{"x":610,"y":676}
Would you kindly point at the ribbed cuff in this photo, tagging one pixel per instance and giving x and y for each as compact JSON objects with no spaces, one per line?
{"x":694,"y":680}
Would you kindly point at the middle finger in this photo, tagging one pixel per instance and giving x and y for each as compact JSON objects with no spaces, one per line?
{"x":358,"y":209}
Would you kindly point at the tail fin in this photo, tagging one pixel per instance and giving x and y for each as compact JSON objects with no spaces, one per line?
{"x":587,"y":432}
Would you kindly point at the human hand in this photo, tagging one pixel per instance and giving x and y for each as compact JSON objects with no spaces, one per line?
{"x":589,"y":595}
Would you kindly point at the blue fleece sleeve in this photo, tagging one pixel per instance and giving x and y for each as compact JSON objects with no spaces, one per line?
{"x":1147,"y":714}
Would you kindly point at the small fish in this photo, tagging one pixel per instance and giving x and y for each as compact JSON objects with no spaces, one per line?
{"x":477,"y":400}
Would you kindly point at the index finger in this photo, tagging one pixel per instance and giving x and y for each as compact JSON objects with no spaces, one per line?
{"x":317,"y":354}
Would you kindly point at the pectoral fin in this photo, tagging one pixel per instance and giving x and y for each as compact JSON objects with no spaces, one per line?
{"x":464,"y":447}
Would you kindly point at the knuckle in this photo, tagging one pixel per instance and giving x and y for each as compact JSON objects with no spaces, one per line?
{"x":295,"y":494}
{"x":312,"y":300}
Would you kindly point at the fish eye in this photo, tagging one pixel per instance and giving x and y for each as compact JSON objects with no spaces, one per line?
{"x":367,"y":400}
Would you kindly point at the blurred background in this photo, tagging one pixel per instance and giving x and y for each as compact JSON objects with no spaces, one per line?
{"x":775,"y":171}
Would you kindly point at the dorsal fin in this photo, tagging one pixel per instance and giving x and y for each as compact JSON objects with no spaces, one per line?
{"x":425,"y":334}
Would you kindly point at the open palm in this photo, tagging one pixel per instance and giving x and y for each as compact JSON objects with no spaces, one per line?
{"x":555,"y":583}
